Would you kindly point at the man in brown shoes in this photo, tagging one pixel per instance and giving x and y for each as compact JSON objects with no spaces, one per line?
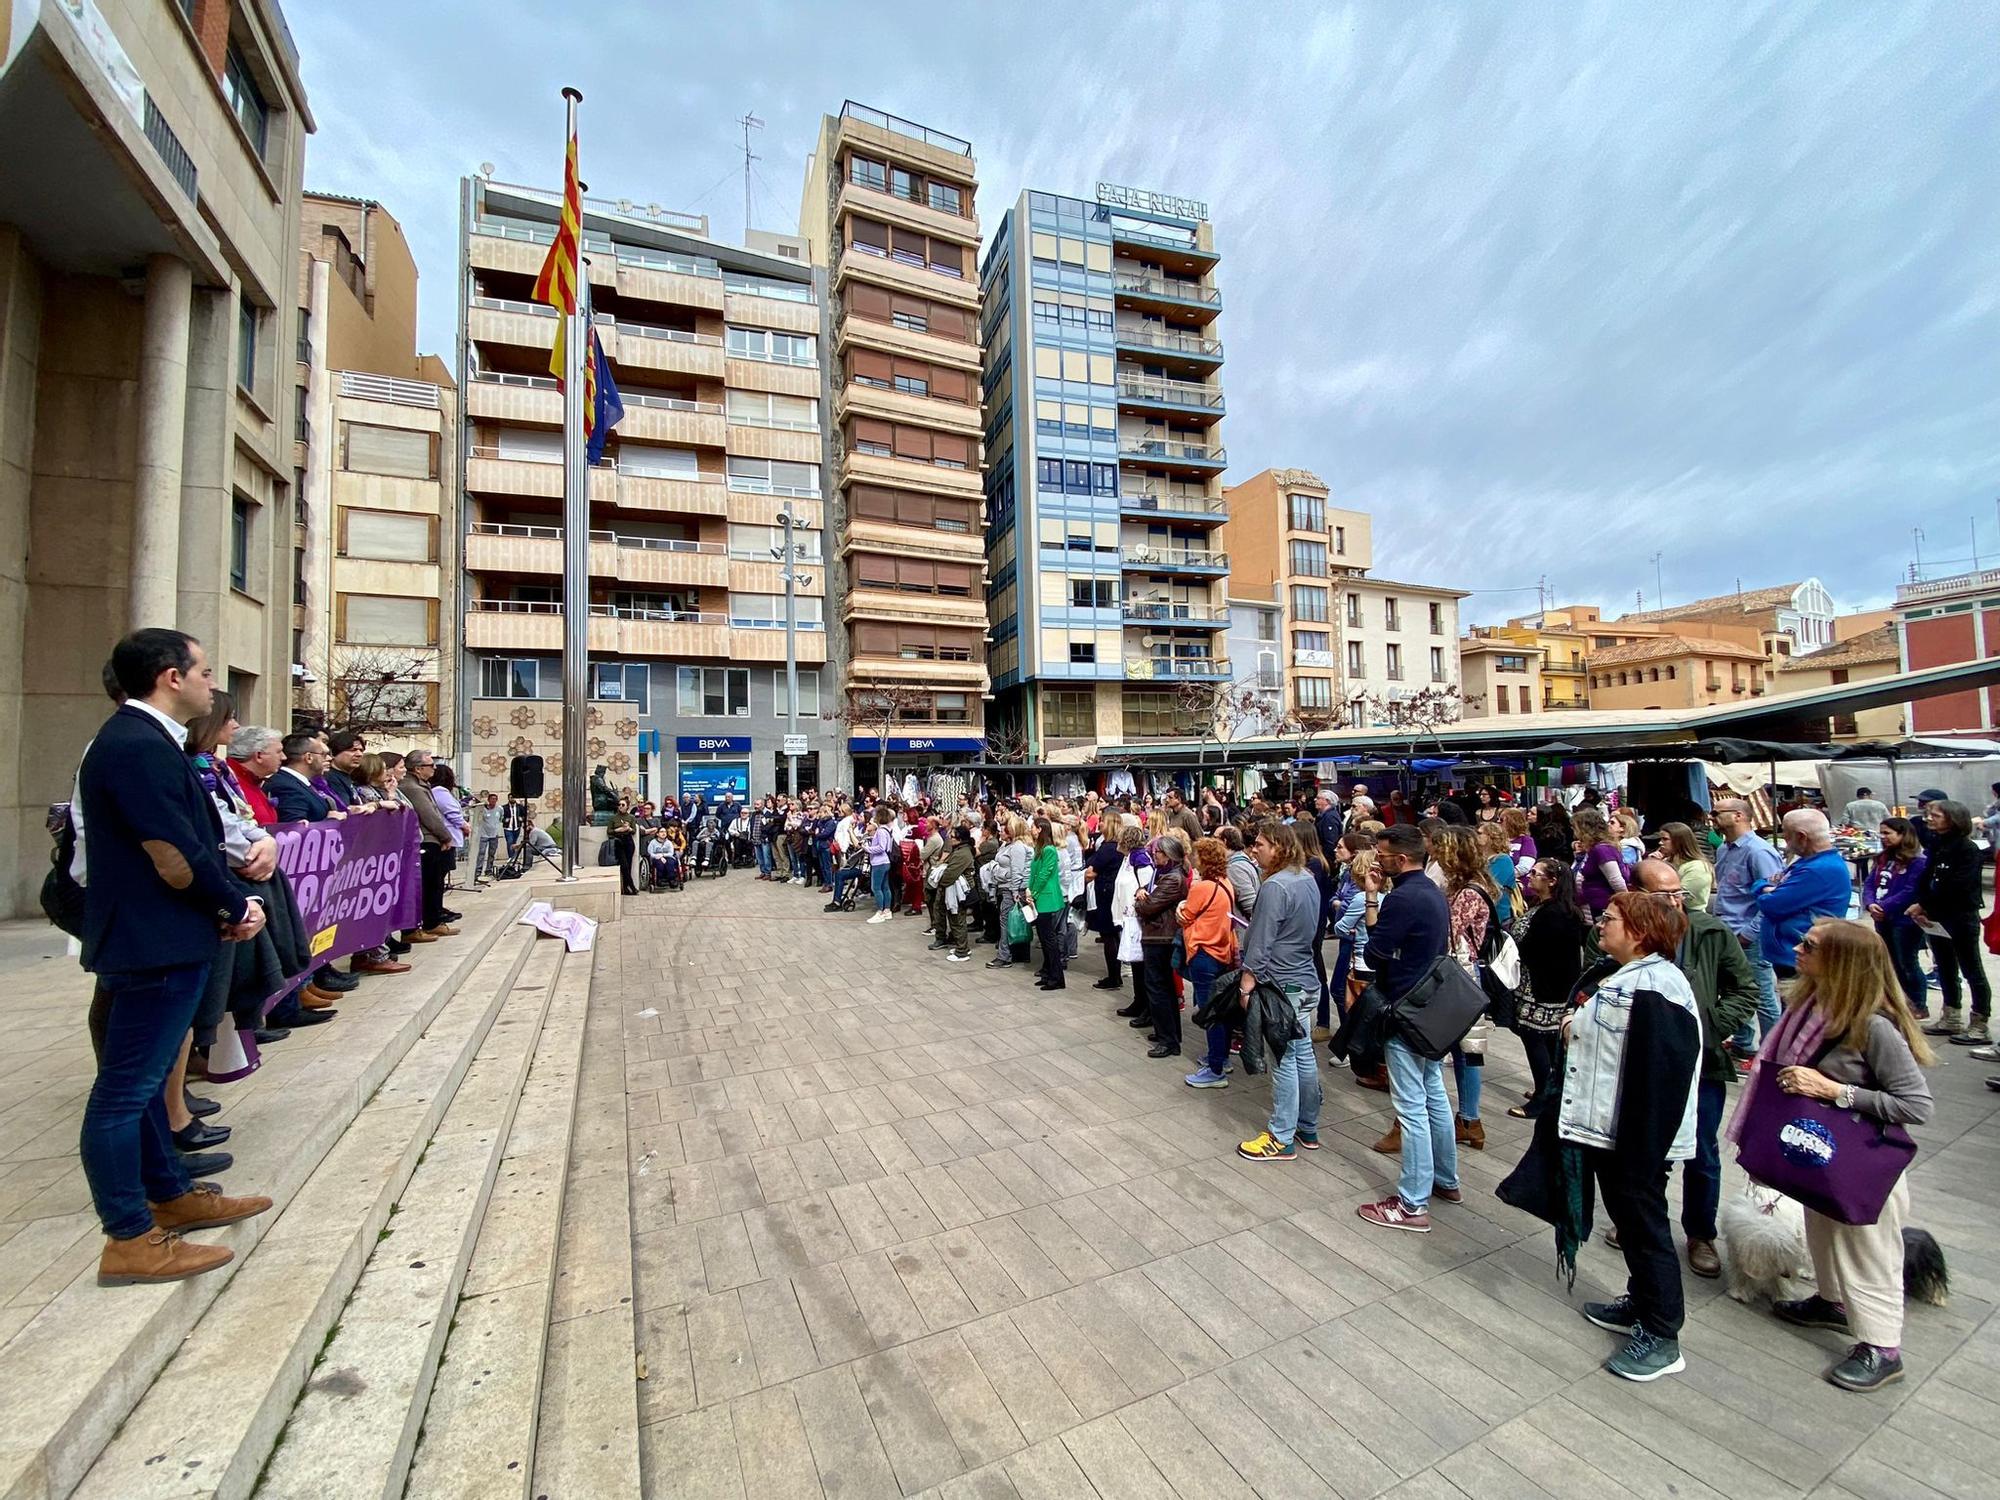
{"x":163,"y":1255}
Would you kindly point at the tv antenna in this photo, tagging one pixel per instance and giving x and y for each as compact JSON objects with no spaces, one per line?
{"x":749,"y":122}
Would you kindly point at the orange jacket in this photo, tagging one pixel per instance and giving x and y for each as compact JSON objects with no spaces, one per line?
{"x":1205,"y":924}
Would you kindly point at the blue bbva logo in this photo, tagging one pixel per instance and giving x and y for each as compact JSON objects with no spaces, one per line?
{"x":1806,"y":1143}
{"x":713,"y":744}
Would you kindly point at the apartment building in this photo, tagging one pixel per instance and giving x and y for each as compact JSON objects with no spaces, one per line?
{"x":717,"y":350}
{"x":1500,"y":676}
{"x":1107,"y":587}
{"x":1674,"y":670}
{"x":1942,"y":621}
{"x":1791,"y":619}
{"x":887,"y":210}
{"x":149,"y":221}
{"x":1254,"y":646}
{"x":1558,"y":647}
{"x":376,"y":535}
{"x":1290,"y":544}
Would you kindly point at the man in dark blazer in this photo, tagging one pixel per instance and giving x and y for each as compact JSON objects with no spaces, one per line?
{"x":344,"y":749}
{"x":291,"y":788}
{"x":158,"y":905}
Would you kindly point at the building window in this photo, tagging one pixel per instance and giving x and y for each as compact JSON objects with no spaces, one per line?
{"x":401,"y":452}
{"x":712,"y":692}
{"x":1308,"y":559}
{"x":808,"y":694}
{"x":767,"y":543}
{"x":1395,"y":662}
{"x":385,"y":620}
{"x":767,"y":611}
{"x":868,"y":173}
{"x":951,"y":708}
{"x":1340,"y":541}
{"x":300,"y":398}
{"x":246,"y":100}
{"x":387,"y":535}
{"x":1437,"y":664}
{"x":305,"y":338}
{"x":239,"y":544}
{"x":1357,"y":661}
{"x":763,"y":409}
{"x":1392,"y":617}
{"x":1308,"y":602}
{"x":621,"y":682}
{"x":1315,"y":692}
{"x":1267,"y":625}
{"x":1524,"y":697}
{"x":1082,"y":653}
{"x":1437,"y":619}
{"x":776,"y":348}
{"x":1306,"y":512}
{"x":1500,"y":700}
{"x":1069,"y":715}
{"x":248,"y":321}
{"x":1510,"y":663}
{"x":1354,"y":610}
{"x":770,"y":476}
{"x":1670,"y":674}
{"x":1311,"y":640}
{"x":1093,"y":593}
{"x":947,"y":199}
{"x":1153,"y":714}
{"x":519,"y":677}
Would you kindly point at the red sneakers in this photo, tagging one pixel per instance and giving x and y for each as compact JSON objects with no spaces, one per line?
{"x":1391,"y":1213}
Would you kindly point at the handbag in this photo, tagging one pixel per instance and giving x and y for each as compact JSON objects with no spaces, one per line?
{"x":1835,"y":1161}
{"x":1439,"y":1009}
{"x":1016,"y":926}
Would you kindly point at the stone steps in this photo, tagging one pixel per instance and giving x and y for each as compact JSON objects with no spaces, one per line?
{"x":478,"y":1433}
{"x":74,"y":1375}
{"x":357,"y":1422}
{"x":209,"y":1420}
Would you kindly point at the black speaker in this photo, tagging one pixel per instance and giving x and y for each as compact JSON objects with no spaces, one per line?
{"x":524,"y":776}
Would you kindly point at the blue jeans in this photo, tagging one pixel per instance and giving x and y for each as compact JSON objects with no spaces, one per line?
{"x":878,"y":883}
{"x":763,"y":859}
{"x":1701,"y":1181}
{"x":1768,"y":1007}
{"x":1906,"y":943}
{"x":1201,"y":971}
{"x":1295,"y":1088}
{"x":825,"y":852}
{"x":1470,"y":1080}
{"x":841,"y":878}
{"x":1430,"y":1146}
{"x":128,"y":1154}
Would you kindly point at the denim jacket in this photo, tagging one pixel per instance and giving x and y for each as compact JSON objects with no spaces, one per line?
{"x":1596,"y":1060}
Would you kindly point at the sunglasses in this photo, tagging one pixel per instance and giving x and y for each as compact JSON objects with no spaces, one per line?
{"x":1808,"y":945}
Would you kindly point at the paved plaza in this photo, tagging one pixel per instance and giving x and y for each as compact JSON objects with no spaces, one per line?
{"x":902,"y":1226}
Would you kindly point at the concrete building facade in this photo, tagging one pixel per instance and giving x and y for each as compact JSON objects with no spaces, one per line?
{"x":887,"y":210}
{"x":1851,"y":658}
{"x":717,"y":350}
{"x":1256,"y":654}
{"x":149,"y":220}
{"x":375,"y":630}
{"x":1501,"y":676}
{"x":1940,"y":621}
{"x":1672,"y":670}
{"x":1104,"y":411}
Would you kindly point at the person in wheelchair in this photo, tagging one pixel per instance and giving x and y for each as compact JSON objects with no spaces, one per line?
{"x":710,"y":855}
{"x":665,"y":856}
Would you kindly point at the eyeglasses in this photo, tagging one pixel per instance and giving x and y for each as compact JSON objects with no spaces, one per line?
{"x":1808,"y":945}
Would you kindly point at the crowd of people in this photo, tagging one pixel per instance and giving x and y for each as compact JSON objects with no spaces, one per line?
{"x":1648,"y":971}
{"x":1645,"y":973}
{"x":166,"y":855}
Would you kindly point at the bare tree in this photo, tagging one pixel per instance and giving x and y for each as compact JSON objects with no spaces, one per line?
{"x":1216,"y":711}
{"x":1299,"y":726}
{"x":1422,"y":714}
{"x":876,"y":710}
{"x":1007,"y":744}
{"x":377,"y":689}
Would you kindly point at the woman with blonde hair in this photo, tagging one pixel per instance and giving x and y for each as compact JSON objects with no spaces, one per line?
{"x":1848,"y":1038}
{"x":1677,"y":845}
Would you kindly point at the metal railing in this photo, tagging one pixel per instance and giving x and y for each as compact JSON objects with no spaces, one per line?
{"x":1182,"y":241}
{"x":1159,"y":286}
{"x":1933,"y":588}
{"x":508,"y":304}
{"x":900,"y":126}
{"x":1170,"y":612}
{"x":1185,"y":392}
{"x":672,"y":335}
{"x":618,"y":538}
{"x":525,"y":382}
{"x":180,"y":166}
{"x":1184,"y":343}
{"x":1173,"y":557}
{"x":1174,"y":451}
{"x":1166,"y":500}
{"x":367,"y":387}
{"x":654,"y":260}
{"x":1176,"y":666}
{"x":671,"y":403}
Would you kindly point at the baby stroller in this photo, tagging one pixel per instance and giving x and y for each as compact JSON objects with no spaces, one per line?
{"x":709,"y":855}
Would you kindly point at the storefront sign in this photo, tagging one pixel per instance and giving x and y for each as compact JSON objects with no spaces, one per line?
{"x":704,"y":744}
{"x":900,"y":744}
{"x":795,"y":744}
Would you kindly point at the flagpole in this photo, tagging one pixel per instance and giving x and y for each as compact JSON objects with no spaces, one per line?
{"x":576,"y":563}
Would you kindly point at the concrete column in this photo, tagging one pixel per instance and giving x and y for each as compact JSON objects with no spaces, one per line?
{"x":156,"y":509}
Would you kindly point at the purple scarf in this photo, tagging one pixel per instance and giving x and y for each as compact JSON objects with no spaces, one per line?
{"x":1793,"y":1042}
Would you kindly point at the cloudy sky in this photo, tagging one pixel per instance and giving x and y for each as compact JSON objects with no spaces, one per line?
{"x":1548,"y":288}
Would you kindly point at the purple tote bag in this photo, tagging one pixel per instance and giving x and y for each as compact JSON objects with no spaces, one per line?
{"x":1834,"y":1161}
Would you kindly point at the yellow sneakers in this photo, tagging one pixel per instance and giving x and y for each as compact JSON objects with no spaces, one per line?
{"x":1266,"y":1147}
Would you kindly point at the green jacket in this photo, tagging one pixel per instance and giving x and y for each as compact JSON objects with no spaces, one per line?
{"x":1045,"y":880}
{"x":956,"y":863}
{"x":1725,"y":990}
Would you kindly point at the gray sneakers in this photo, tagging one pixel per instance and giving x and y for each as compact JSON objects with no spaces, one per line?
{"x":1646,"y":1357}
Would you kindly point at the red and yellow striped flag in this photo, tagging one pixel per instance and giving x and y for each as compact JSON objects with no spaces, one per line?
{"x":556,"y":285}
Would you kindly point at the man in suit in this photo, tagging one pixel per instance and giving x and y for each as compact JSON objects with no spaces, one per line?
{"x":158,"y":905}
{"x":436,"y":852}
{"x":344,"y":748}
{"x":297,"y":800}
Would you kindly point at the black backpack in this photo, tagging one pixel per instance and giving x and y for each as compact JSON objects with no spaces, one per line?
{"x":62,"y":897}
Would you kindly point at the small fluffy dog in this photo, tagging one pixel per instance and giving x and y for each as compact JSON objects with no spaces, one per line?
{"x":1764,"y":1252}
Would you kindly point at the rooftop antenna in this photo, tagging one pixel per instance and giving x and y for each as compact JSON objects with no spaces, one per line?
{"x":1659,"y":588}
{"x":749,"y":122}
{"x":1917,"y":541}
{"x":1972,"y":525}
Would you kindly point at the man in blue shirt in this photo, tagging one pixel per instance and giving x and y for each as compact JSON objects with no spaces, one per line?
{"x":1742,"y":865}
{"x":1817,"y":883}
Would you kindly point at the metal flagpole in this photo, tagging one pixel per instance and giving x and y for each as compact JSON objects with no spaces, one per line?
{"x":790,"y":576}
{"x":576,"y":559}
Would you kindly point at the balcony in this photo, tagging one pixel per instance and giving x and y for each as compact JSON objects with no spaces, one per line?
{"x":1143,"y":559}
{"x":672,"y":351}
{"x":672,"y":419}
{"x":1170,"y":397}
{"x":1176,"y":669}
{"x":1178,"y":244}
{"x":1168,"y":612}
{"x":910,"y":474}
{"x":517,"y":625}
{"x":1182,"y":353}
{"x":906,"y":276}
{"x":1172,"y":453}
{"x":362,"y":386}
{"x":1166,"y":295}
{"x":876,"y":603}
{"x":509,"y":548}
{"x":1149,"y":504}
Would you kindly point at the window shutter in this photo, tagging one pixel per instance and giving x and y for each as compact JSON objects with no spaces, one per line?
{"x":954,"y":449}
{"x":915,"y":572}
{"x":908,"y":241}
{"x":874,"y":568}
{"x":872,"y":504}
{"x":913,"y":443}
{"x":955,"y":577}
{"x":390,"y":450}
{"x":378,"y":620}
{"x":869,"y":365}
{"x":868,"y":232}
{"x":875,"y":640}
{"x":868,"y":430}
{"x":388,"y":536}
{"x":871,"y":302}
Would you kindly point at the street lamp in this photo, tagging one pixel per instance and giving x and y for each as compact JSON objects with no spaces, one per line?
{"x":789,"y":554}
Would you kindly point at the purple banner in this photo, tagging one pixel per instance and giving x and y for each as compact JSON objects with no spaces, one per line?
{"x":356,"y":881}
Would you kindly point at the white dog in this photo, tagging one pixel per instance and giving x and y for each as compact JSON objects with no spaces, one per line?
{"x":1764,"y":1246}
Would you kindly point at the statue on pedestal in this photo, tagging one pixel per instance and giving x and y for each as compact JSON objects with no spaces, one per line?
{"x":603,"y":800}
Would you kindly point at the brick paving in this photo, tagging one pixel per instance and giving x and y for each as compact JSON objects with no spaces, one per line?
{"x":902,"y":1227}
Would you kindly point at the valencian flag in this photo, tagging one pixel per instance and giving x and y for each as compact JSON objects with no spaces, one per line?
{"x":556,"y":286}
